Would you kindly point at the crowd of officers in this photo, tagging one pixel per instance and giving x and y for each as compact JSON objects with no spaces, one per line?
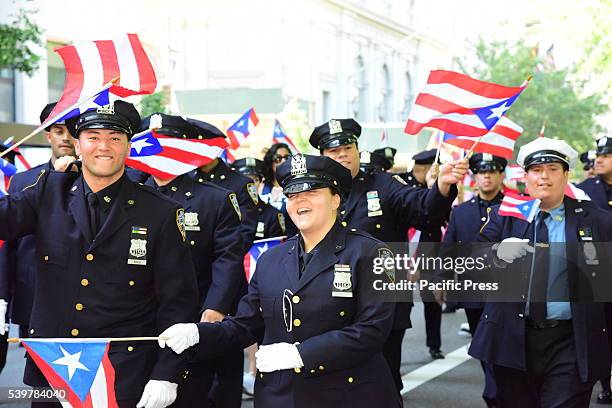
{"x":95,"y":249}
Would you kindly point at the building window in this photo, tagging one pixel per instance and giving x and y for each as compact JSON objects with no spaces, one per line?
{"x":56,"y":73}
{"x":7,"y":95}
{"x":407,"y":96}
{"x":359,"y":91}
{"x":385,"y":102}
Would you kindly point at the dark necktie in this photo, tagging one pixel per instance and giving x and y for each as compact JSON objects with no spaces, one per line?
{"x":539,"y":286}
{"x":92,"y":201}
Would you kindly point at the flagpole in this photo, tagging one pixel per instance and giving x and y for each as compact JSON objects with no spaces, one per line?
{"x":150,"y":338}
{"x":58,"y":116}
{"x":469,"y":153}
{"x":437,"y":134}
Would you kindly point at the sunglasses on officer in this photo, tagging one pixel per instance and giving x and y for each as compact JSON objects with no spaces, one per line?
{"x":279,"y":158}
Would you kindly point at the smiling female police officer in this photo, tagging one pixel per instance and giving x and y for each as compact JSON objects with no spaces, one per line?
{"x":312,"y":296}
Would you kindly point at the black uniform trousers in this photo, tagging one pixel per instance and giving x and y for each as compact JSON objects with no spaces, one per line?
{"x":551,"y":379}
{"x":490,"y":389}
{"x":392,"y":350}
{"x":433,"y":319}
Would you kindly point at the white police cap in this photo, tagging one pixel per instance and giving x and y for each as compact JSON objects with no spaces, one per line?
{"x":546,"y":150}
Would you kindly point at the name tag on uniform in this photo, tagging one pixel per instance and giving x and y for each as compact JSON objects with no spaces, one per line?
{"x":191,"y":221}
{"x":374,"y":208}
{"x":138,"y":246}
{"x":343,"y":286}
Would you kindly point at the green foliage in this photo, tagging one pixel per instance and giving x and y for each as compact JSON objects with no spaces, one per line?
{"x":553,"y":95}
{"x":150,"y":104}
{"x":16,"y":41}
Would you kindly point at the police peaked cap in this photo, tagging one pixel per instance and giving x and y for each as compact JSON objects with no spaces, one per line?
{"x":604,"y":145}
{"x":546,"y":150}
{"x":304,"y":172}
{"x":120,"y":116}
{"x":425,"y":157}
{"x":205,"y":129}
{"x":44,"y":114}
{"x":480,"y":162}
{"x":249,"y":166}
{"x":169,"y":125}
{"x":336,"y":132}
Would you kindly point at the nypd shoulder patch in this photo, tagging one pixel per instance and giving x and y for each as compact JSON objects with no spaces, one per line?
{"x":252,"y":189}
{"x":180,"y":223}
{"x":234,"y":202}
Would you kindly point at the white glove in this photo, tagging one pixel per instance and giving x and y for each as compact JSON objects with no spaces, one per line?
{"x":278,"y":356}
{"x":512,"y":248}
{"x":3,"y":325}
{"x":157,"y":394}
{"x":180,"y":337}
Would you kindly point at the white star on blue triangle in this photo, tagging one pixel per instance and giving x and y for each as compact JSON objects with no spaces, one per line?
{"x":242,"y":125}
{"x":525,"y":208}
{"x":490,"y":115}
{"x":145,"y":145}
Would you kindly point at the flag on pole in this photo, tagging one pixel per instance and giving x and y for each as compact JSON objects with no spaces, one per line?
{"x":499,"y":141}
{"x":384,"y":138}
{"x":167,"y":157}
{"x":227,"y":156}
{"x":281,"y":137}
{"x":92,"y":64}
{"x":259,"y":247}
{"x":522,"y":207}
{"x":541,"y":134}
{"x":79,"y":367}
{"x":18,"y":156}
{"x":460,"y":105}
{"x":240,"y":130}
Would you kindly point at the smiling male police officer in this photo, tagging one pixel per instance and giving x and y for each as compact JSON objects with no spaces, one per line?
{"x":112,"y":258}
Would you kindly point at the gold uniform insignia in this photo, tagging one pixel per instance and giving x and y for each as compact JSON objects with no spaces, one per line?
{"x":487,"y":221}
{"x":234,"y":202}
{"x":42,"y":172}
{"x":180,"y":223}
{"x":400,"y":180}
{"x":252,"y":189}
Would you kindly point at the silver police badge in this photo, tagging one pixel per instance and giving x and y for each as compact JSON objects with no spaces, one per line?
{"x":260,"y":232}
{"x":298,"y":165}
{"x":374,"y":208}
{"x":191,"y":221}
{"x":155,"y":122}
{"x":342,"y":281}
{"x":106,"y":109}
{"x":335,"y":126}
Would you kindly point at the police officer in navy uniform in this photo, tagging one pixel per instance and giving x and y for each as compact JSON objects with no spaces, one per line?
{"x":313,"y":297}
{"x":376,"y":161}
{"x":270,"y":221}
{"x":384,"y":206}
{"x":112,"y":258}
{"x":547,"y":353}
{"x":588,"y":160}
{"x":212,"y":224}
{"x":464,"y":226}
{"x":599,"y":188}
{"x":220,"y":173}
{"x":17,"y":258}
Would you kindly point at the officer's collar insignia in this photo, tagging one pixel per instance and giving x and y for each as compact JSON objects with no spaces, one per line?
{"x":106,"y":109}
{"x":487,"y":157}
{"x":155,"y":122}
{"x":298,"y":165}
{"x":335,"y":127}
{"x":73,"y":188}
{"x":365,"y":157}
{"x":107,"y":199}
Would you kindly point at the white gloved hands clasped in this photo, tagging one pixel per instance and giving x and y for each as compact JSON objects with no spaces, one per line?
{"x":512,"y":248}
{"x":278,"y":356}
{"x":157,"y":394}
{"x":3,"y":324}
{"x":179,"y":337}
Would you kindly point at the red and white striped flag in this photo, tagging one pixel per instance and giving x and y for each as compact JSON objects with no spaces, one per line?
{"x":92,"y":64}
{"x":167,"y":157}
{"x":243,"y":127}
{"x":460,"y":105}
{"x":576,"y":193}
{"x":499,"y":141}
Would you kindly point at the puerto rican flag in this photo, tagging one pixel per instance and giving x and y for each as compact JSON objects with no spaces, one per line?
{"x":80,"y":367}
{"x":499,"y":141}
{"x":92,"y":64}
{"x":259,"y":247}
{"x":460,"y":105}
{"x":280,"y":136}
{"x":522,"y":207}
{"x":167,"y":157}
{"x":240,"y":130}
{"x":227,"y":156}
{"x":576,"y":193}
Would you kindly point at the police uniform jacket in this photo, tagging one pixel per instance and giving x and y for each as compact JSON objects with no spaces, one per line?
{"x":18,"y":258}
{"x":500,"y":337}
{"x":89,"y":288}
{"x":386,"y":207}
{"x":270,"y":222}
{"x":212,"y":225}
{"x":340,"y":338}
{"x":246,"y":193}
{"x":599,"y":191}
{"x":464,"y":226}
